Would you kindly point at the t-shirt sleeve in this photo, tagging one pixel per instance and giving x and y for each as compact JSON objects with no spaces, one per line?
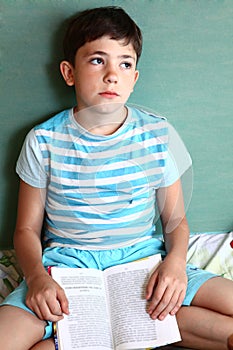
{"x":178,"y":159}
{"x":30,"y":164}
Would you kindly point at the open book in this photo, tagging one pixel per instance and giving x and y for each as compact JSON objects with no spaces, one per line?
{"x":108,"y":309}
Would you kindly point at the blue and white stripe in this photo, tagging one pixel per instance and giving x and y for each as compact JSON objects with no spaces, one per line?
{"x":100,"y":189}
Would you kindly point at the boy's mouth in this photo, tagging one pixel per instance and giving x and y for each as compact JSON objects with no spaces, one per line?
{"x":109,"y":94}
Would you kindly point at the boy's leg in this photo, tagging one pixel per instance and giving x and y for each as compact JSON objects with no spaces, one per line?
{"x":47,"y":344}
{"x":19,"y":329}
{"x":208,"y":322}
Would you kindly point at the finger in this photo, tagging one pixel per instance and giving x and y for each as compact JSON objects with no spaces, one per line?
{"x":48,"y":315}
{"x":64,"y":304}
{"x":151,"y":285}
{"x":32,"y":304}
{"x":171,"y":305}
{"x":179,"y":303}
{"x":157,"y":297}
{"x":174,"y":305}
{"x":34,"y":308}
{"x":42,"y":310}
{"x":54,"y":307}
{"x":162,"y":304}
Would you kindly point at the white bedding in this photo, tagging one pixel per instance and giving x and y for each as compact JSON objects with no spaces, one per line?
{"x":212,"y":252}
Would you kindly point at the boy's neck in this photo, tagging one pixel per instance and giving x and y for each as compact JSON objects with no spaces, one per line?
{"x":99,"y":122}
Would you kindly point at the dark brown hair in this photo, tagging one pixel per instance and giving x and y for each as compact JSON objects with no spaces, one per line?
{"x":95,"y":23}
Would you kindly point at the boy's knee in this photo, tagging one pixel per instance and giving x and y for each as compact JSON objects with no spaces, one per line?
{"x":19,"y":324}
{"x":47,"y":344}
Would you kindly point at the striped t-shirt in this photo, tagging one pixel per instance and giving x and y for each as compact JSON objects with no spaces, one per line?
{"x":100,"y":189}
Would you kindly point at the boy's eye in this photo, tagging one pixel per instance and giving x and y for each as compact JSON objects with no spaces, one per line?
{"x":97,"y":60}
{"x":126,"y":65}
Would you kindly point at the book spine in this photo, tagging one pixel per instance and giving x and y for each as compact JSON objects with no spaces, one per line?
{"x":55,"y":336}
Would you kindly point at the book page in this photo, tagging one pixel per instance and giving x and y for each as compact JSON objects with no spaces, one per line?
{"x":132,"y":326}
{"x":87,"y":326}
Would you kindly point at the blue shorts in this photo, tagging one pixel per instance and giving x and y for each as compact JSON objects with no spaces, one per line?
{"x":102,"y":259}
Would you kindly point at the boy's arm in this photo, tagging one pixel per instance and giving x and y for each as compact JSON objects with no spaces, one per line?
{"x":167,"y":286}
{"x":44,"y":296}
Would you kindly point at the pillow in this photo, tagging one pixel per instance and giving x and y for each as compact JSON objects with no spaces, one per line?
{"x":212,"y":252}
{"x":10,"y":273}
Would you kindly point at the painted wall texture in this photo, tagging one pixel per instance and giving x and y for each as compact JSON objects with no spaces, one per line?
{"x":186,"y":74}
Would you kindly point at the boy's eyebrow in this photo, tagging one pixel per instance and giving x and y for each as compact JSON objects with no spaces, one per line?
{"x":102,"y":53}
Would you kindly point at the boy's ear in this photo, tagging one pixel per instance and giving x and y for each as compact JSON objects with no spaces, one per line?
{"x":67,"y":71}
{"x":136,"y":76}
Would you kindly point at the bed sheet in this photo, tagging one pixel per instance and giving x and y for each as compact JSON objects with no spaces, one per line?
{"x":212,"y":252}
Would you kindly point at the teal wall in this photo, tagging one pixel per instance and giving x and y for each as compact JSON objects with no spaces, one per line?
{"x":186,"y":74}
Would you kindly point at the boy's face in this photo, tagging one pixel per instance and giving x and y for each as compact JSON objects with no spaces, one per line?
{"x":104,"y":72}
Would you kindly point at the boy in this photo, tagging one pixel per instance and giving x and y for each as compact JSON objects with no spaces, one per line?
{"x":94,"y":171}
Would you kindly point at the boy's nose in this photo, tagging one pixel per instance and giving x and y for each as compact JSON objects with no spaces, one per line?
{"x":111,"y":76}
{"x":112,"y":80}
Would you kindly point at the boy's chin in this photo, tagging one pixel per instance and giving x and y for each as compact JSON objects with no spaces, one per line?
{"x":109,"y":108}
{"x":104,"y":109}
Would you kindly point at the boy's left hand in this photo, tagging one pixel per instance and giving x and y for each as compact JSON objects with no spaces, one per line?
{"x":166,"y":288}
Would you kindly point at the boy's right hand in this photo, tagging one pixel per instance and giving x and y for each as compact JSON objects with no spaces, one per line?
{"x":46,"y":298}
